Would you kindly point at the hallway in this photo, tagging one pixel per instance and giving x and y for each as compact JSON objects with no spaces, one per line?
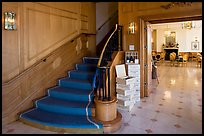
{"x":174,"y":106}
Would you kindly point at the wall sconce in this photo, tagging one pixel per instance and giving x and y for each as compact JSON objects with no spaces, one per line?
{"x":131,"y":28}
{"x":10,"y":21}
{"x":195,"y":38}
{"x":188,"y":25}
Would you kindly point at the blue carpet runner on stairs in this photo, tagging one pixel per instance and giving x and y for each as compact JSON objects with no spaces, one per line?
{"x":69,"y":104}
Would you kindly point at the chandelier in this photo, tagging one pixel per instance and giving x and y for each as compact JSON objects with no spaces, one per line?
{"x":167,"y":32}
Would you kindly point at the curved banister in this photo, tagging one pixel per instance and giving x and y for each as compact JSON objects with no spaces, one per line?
{"x":101,"y":56}
{"x":101,"y":82}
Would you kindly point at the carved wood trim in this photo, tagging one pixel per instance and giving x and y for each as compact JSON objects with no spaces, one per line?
{"x":55,"y":8}
{"x":178,"y":4}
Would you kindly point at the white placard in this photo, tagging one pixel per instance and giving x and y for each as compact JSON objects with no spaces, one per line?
{"x":120,"y":71}
{"x":131,"y":47}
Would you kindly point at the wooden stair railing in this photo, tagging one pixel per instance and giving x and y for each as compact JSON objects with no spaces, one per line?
{"x":110,"y":22}
{"x":106,"y":107}
{"x":102,"y":76}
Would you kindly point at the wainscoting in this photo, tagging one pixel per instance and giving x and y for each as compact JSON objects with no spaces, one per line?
{"x":47,"y":43}
{"x":19,"y":93}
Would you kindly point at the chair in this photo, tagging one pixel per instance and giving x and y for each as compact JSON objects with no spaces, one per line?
{"x":162,"y":56}
{"x":185,"y":59}
{"x":154,"y":53}
{"x":194,"y":56}
{"x":180,"y":60}
{"x":199,"y":60}
{"x":172,"y":57}
{"x":158,"y":58}
{"x":174,"y":54}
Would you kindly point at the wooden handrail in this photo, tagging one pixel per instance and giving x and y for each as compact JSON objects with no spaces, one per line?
{"x":101,"y":81}
{"x":107,"y":20}
{"x":100,"y":45}
{"x":40,"y":61}
{"x":101,"y":56}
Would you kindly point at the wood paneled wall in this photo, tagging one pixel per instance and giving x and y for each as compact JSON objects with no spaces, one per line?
{"x":118,"y":58}
{"x":47,"y":43}
{"x":41,"y":28}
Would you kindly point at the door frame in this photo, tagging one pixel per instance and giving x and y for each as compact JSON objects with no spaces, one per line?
{"x":145,"y":57}
{"x":154,"y":19}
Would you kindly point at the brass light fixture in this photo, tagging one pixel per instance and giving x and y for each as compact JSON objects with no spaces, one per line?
{"x":10,"y":21}
{"x":167,"y":32}
{"x":131,"y":28}
{"x":188,"y":24}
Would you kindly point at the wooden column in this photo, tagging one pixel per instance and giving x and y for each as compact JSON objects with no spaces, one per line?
{"x":106,"y":113}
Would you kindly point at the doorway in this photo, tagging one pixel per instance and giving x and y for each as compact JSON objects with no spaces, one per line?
{"x":145,"y":36}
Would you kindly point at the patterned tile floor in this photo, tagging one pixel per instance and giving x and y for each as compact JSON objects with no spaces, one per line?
{"x":174,"y":106}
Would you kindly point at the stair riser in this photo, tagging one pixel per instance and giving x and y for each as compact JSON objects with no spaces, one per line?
{"x":79,"y":129}
{"x":41,"y":117}
{"x":70,"y":96}
{"x":81,"y":76}
{"x":64,"y":110}
{"x":90,"y":61}
{"x":75,"y":85}
{"x":85,"y":68}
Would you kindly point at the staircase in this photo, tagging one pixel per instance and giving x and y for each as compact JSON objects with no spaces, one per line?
{"x":68,"y":106}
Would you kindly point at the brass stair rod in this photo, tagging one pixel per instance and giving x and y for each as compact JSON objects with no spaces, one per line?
{"x":104,"y":84}
{"x":109,"y":98}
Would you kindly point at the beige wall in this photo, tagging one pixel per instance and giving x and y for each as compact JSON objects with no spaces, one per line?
{"x":44,"y":31}
{"x":106,"y":12}
{"x":184,"y":37}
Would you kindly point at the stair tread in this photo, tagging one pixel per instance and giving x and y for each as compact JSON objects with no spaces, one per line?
{"x":63,"y":106}
{"x":87,"y":64}
{"x":68,"y":93}
{"x":91,"y":57}
{"x":76,"y":80}
{"x":58,"y":120}
{"x":62,"y":103}
{"x":68,"y":90}
{"x":90,"y":60}
{"x":83,"y":72}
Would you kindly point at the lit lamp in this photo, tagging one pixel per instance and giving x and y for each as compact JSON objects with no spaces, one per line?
{"x":132,"y":28}
{"x":187,"y":25}
{"x":10,"y":21}
{"x":167,"y":32}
